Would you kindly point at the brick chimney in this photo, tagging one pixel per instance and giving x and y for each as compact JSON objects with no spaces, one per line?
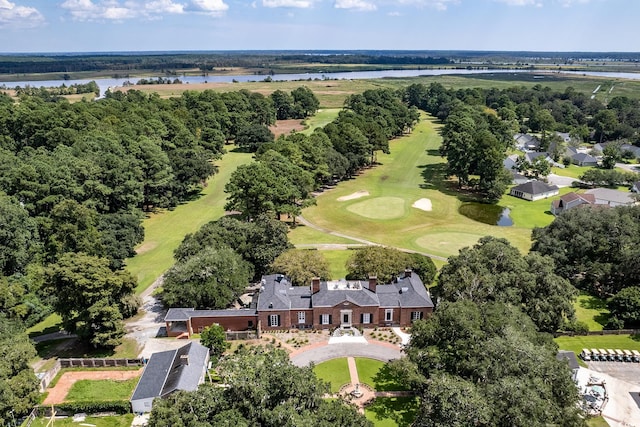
{"x":373,"y":282}
{"x":315,"y":285}
{"x":184,"y":359}
{"x":407,"y":273}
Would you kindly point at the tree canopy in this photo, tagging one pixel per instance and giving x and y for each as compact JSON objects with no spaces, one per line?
{"x":301,"y":265}
{"x":386,"y":263}
{"x":263,"y":388}
{"x":486,"y":365}
{"x":493,"y":270}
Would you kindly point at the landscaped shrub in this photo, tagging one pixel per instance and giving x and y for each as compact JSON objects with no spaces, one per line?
{"x":117,"y":406}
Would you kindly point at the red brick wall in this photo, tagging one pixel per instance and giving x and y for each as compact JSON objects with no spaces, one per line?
{"x":336,"y":320}
{"x":285,"y":319}
{"x":232,"y":323}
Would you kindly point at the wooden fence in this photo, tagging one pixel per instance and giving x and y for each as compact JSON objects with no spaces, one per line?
{"x":98,"y":363}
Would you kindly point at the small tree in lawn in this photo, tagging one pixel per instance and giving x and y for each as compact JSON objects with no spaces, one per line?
{"x":213,"y":337}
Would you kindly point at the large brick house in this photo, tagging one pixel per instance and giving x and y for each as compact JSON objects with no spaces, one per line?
{"x":323,"y":305}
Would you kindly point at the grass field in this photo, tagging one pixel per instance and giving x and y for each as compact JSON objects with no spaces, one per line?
{"x":412,"y":171}
{"x":322,"y":118}
{"x":591,"y":310}
{"x":101,"y":390}
{"x":113,"y":421}
{"x":374,"y":373}
{"x":577,"y":343}
{"x":49,"y":325}
{"x":392,"y":411}
{"x":572,"y":171}
{"x":337,"y":260}
{"x":335,"y":371}
{"x":165,"y":230}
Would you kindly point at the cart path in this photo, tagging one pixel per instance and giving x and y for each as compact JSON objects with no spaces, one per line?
{"x":304,"y":221}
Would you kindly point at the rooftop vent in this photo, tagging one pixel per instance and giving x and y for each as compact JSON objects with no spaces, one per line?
{"x":270,"y":305}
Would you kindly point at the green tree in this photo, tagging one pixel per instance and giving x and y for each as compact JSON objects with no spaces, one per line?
{"x":214,"y":338}
{"x":19,"y":386}
{"x":486,"y":365}
{"x":301,"y":265}
{"x":625,"y":305}
{"x":212,"y":279}
{"x":611,"y":154}
{"x":90,"y":297}
{"x":384,"y":263}
{"x":262,"y":387}
{"x":424,"y":267}
{"x":18,"y":234}
{"x":252,"y":136}
{"x":305,"y":101}
{"x":494,"y":270}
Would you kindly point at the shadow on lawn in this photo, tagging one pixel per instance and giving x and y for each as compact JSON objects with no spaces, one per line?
{"x":402,"y":410}
{"x":435,"y":178}
{"x":385,"y":380}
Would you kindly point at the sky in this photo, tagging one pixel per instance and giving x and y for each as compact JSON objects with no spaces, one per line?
{"x":162,"y":25}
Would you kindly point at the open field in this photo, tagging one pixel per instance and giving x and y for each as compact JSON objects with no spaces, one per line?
{"x":101,"y":390}
{"x":337,"y":260}
{"x":322,"y":118}
{"x":414,"y":170}
{"x":591,"y":310}
{"x":577,"y":343}
{"x":165,"y":230}
{"x":335,"y":371}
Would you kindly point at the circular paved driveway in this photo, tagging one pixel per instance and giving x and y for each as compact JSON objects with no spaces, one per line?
{"x":334,"y":351}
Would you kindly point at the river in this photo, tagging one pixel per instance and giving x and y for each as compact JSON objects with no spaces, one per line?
{"x":107,"y":83}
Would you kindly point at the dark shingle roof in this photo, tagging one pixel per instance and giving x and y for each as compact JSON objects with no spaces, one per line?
{"x":166,"y":371}
{"x":535,"y":187}
{"x":405,"y":292}
{"x":277,"y":293}
{"x":570,"y":357}
{"x":583,"y":157}
{"x":334,"y":293}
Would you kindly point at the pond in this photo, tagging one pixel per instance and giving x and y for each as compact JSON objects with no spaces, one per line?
{"x":488,"y":214}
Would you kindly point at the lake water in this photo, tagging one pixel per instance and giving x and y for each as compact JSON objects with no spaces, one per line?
{"x":104,"y":84}
{"x":487,"y":214}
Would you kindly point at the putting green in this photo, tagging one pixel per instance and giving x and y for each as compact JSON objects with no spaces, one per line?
{"x":379,"y":208}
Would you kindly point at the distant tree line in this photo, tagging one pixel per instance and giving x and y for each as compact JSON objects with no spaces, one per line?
{"x":49,"y":92}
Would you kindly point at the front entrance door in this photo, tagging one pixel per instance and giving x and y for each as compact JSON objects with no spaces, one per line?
{"x":346,"y":318}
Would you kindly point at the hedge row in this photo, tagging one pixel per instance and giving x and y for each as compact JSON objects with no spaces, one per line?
{"x":117,"y":406}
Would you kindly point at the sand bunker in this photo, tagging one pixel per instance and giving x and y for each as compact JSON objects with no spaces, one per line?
{"x":352,"y":196}
{"x":422,"y":204}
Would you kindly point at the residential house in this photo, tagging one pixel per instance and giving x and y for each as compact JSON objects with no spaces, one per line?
{"x":169,"y":371}
{"x":510,"y":163}
{"x":534,"y":190}
{"x":636,"y":187}
{"x":530,"y":157}
{"x":323,"y":305}
{"x":525,"y":142}
{"x":570,"y":201}
{"x":584,"y":159}
{"x":613,"y":198}
{"x":624,"y":147}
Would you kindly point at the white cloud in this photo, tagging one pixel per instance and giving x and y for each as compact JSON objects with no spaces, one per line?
{"x":164,"y":6}
{"x":12,"y":15}
{"x":537,"y":3}
{"x":116,"y":10}
{"x":435,"y":4}
{"x":355,"y":5}
{"x":300,"y":4}
{"x":213,"y":7}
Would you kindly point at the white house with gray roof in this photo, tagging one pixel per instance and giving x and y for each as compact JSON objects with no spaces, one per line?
{"x":168,"y":371}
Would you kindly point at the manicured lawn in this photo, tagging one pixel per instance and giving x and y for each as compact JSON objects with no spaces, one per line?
{"x":572,"y":171}
{"x":101,"y":390}
{"x":375,"y":374}
{"x":577,"y":343}
{"x":412,"y":171}
{"x":322,"y":117}
{"x":591,"y":310}
{"x":337,"y":262}
{"x":48,"y":325}
{"x":114,"y":421}
{"x":165,"y":230}
{"x":335,"y":371}
{"x":301,"y":235}
{"x":392,"y":411}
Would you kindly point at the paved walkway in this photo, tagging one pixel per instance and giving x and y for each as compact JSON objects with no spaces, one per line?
{"x":322,"y":352}
{"x":403,"y":336}
{"x":58,"y":393}
{"x":353,"y":370}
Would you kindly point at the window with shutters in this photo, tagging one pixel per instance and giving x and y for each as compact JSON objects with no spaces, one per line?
{"x":416,"y":315}
{"x":366,"y":317}
{"x":324,"y":319}
{"x":274,"y":320}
